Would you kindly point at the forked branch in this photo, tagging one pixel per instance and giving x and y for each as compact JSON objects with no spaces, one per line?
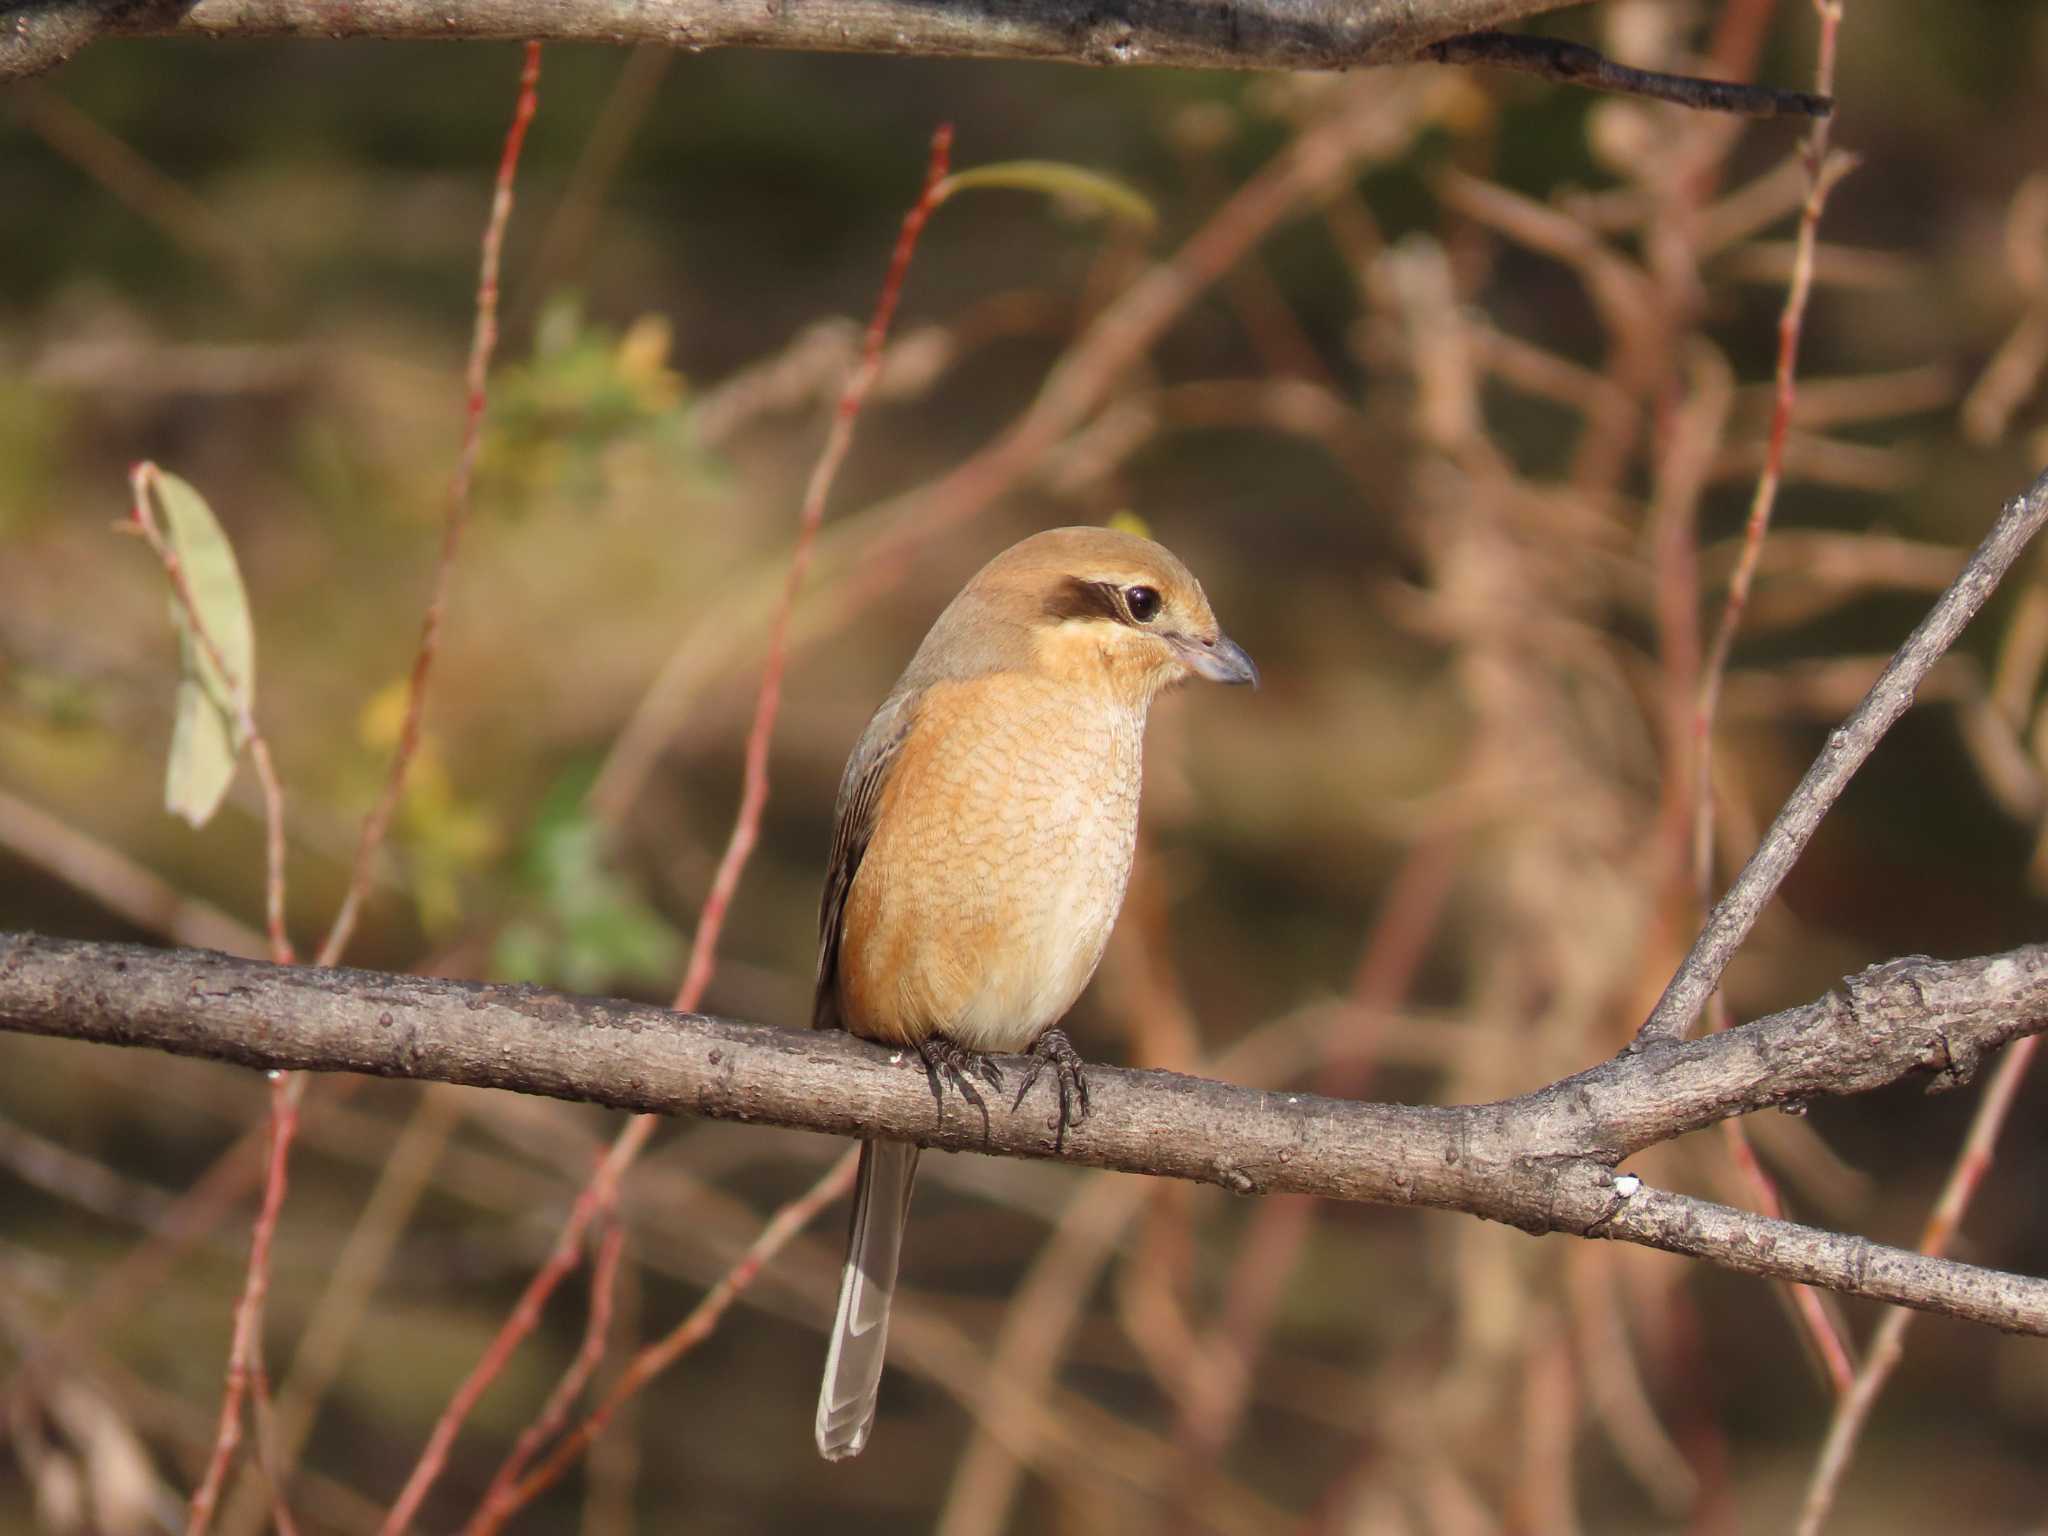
{"x":1544,"y":1162}
{"x":1848,"y":747}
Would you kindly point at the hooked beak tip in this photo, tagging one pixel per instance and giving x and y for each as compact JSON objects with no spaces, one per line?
{"x":1222,"y":660}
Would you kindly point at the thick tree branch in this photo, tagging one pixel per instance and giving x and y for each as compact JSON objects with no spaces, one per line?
{"x":1543,"y":1162}
{"x":36,"y":35}
{"x":1235,"y":34}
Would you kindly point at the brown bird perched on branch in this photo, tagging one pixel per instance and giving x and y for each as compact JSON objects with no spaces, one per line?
{"x":980,"y":848}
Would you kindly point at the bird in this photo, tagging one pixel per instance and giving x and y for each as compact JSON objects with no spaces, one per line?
{"x":981,"y":843}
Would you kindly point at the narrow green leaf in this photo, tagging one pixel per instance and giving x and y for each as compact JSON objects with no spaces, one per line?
{"x":1068,"y":183}
{"x":215,"y":584}
{"x":207,"y":738}
{"x":202,"y":763}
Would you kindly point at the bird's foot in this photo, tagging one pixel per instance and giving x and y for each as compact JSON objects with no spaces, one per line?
{"x":960,"y":1067}
{"x":1054,"y":1049}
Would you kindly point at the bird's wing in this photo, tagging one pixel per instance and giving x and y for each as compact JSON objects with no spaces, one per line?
{"x":853,"y":823}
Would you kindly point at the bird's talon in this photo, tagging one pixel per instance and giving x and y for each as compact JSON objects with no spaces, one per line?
{"x":956,"y":1062}
{"x":1053,"y":1048}
{"x":1024,"y":1088}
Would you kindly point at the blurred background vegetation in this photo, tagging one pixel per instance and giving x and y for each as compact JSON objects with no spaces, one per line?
{"x":1460,"y":450}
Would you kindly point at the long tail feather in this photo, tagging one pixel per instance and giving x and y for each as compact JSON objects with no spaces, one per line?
{"x":860,"y":1333}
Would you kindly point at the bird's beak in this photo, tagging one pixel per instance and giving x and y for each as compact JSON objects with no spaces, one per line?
{"x":1220,"y":660}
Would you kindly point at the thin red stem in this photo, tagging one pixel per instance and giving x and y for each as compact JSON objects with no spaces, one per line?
{"x":1821,"y":174}
{"x":600,"y":1195}
{"x":246,"y":1358}
{"x":483,"y":342}
{"x":245,"y":1354}
{"x":1266,"y":1260}
{"x":603,"y":1285}
{"x":597,"y":1199}
{"x":1852,"y":1411}
{"x":267,"y":1457}
{"x":1821,"y":1332}
{"x":754,"y":795}
{"x":699,"y":1325}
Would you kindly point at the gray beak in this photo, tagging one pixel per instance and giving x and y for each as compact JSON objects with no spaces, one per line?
{"x":1221,"y":660}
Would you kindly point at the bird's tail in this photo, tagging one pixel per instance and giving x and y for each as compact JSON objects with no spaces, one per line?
{"x":860,"y":1333}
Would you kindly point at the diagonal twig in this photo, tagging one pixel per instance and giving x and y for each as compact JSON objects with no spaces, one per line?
{"x":1848,"y":747}
{"x":1555,"y":58}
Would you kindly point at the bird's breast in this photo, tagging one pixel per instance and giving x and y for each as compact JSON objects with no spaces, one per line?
{"x":997,"y":865}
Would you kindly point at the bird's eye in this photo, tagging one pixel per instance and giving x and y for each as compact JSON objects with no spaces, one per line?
{"x":1143,"y":603}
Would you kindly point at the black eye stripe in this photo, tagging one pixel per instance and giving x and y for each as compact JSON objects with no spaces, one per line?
{"x":1079,"y":598}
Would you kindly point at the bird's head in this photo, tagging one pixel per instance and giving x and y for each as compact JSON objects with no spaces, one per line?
{"x":1098,"y":607}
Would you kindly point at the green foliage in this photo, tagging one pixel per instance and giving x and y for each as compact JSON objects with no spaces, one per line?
{"x":446,"y":835}
{"x":582,"y":925}
{"x":1072,"y":187}
{"x":584,"y":390}
{"x":58,"y":700}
